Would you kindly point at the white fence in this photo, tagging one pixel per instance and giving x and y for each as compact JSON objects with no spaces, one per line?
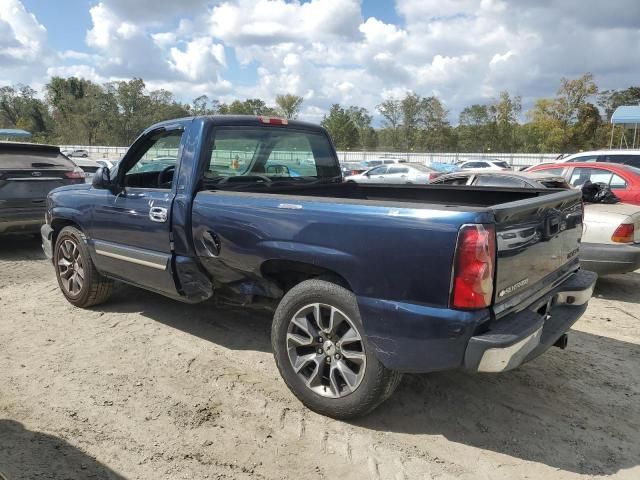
{"x":514,"y":159}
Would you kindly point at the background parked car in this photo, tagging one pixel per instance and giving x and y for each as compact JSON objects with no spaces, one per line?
{"x":611,"y":232}
{"x":360,"y":167}
{"x":502,"y":179}
{"x":623,"y":180}
{"x":626,"y":157}
{"x":28,"y":172}
{"x":396,"y":174}
{"x":75,"y":153}
{"x":488,"y":164}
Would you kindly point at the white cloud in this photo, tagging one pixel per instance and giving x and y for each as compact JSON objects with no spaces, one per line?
{"x":200,"y":59}
{"x":22,"y":36}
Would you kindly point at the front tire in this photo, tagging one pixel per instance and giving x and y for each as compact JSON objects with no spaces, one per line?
{"x":80,"y":282}
{"x":322,"y":354}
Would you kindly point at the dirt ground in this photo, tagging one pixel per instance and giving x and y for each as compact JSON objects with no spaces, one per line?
{"x":146,"y":388}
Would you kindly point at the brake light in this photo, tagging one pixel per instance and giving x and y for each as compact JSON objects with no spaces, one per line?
{"x":274,"y":120}
{"x":624,"y":233}
{"x":77,"y":173}
{"x":474,"y":266}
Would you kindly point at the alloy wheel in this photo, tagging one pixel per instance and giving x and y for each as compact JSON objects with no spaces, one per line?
{"x":326,"y":350}
{"x":70,"y":267}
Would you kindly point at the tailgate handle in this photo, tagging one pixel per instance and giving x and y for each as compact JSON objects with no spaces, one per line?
{"x":551,"y":226}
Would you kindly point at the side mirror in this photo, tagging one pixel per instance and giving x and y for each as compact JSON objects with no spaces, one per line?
{"x":101,"y":179}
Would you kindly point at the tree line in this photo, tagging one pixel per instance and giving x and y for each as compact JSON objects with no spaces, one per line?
{"x":82,"y":112}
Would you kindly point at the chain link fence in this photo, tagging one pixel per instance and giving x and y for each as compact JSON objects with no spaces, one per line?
{"x":513,"y":159}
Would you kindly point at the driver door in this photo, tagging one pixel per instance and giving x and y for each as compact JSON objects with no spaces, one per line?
{"x":131,"y":228}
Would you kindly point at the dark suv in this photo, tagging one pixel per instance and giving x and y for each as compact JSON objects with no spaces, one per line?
{"x":28,"y":172}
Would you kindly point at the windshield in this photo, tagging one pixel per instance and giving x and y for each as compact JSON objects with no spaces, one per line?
{"x":272,"y":154}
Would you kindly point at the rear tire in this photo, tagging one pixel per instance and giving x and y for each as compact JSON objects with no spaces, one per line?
{"x":80,"y":282}
{"x":352,"y":382}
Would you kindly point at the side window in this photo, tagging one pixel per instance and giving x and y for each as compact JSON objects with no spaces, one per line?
{"x":585,"y":158}
{"x":156,"y":162}
{"x":633,"y":160}
{"x":499,"y":181}
{"x":617,"y":182}
{"x":581,"y":175}
{"x":397,"y":170}
{"x":378,"y":171}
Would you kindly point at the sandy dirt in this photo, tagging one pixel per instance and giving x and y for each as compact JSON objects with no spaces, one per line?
{"x":146,"y":388}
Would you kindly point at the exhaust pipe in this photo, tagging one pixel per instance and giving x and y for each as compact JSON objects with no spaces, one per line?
{"x":562,"y":341}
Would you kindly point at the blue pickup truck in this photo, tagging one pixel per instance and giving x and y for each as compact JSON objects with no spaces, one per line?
{"x":366,"y":281}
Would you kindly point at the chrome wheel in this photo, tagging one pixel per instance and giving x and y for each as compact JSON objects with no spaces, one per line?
{"x":326,"y":350}
{"x":70,"y":267}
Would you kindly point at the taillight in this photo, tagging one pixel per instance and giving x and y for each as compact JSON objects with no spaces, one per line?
{"x":433,"y":176}
{"x":354,"y":172}
{"x":77,"y":173}
{"x":474,"y":265}
{"x":273,"y":120}
{"x":624,"y":233}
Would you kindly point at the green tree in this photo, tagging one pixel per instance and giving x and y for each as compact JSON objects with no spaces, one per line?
{"x":391,"y":111}
{"x":341,"y":127}
{"x":289,"y":105}
{"x":609,"y":100}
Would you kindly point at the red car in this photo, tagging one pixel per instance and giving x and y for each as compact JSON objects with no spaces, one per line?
{"x":623,"y":180}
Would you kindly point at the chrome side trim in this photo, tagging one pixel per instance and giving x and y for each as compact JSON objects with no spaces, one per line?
{"x":132,"y":255}
{"x":497,"y":359}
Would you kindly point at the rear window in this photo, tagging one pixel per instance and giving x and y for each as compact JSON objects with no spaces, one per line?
{"x":15,"y":159}
{"x":550,"y":171}
{"x":499,"y":181}
{"x":501,"y":164}
{"x":269,"y":152}
{"x":555,"y":184}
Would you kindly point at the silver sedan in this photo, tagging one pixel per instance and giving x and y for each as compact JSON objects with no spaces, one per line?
{"x":397,"y":173}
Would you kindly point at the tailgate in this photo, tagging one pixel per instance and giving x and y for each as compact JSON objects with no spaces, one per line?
{"x":538,"y":242}
{"x":20,"y":188}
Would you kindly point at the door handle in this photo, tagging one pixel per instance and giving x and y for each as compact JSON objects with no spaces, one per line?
{"x":158,"y":214}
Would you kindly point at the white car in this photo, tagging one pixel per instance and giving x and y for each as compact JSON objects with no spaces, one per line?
{"x":610,"y":238}
{"x":396,"y":174}
{"x":627,"y":157}
{"x":484,"y":164}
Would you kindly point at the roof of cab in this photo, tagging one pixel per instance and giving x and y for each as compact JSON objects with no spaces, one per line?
{"x":238,"y":120}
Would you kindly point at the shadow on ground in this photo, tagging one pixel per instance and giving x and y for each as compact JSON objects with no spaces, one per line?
{"x":624,"y":288}
{"x":21,"y":247}
{"x":26,"y":455}
{"x":576,"y":410}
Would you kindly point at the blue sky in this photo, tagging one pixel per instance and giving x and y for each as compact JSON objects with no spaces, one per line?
{"x":328,"y":51}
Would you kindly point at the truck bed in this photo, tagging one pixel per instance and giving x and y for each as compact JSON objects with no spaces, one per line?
{"x":447,"y":195}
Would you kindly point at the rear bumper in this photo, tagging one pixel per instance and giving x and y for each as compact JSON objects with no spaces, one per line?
{"x":607,"y":259}
{"x":21,"y":220}
{"x":522,"y":336}
{"x":416,"y":338}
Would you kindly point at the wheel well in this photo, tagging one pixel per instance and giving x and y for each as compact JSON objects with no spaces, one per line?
{"x":287,"y":273}
{"x":58,"y":224}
